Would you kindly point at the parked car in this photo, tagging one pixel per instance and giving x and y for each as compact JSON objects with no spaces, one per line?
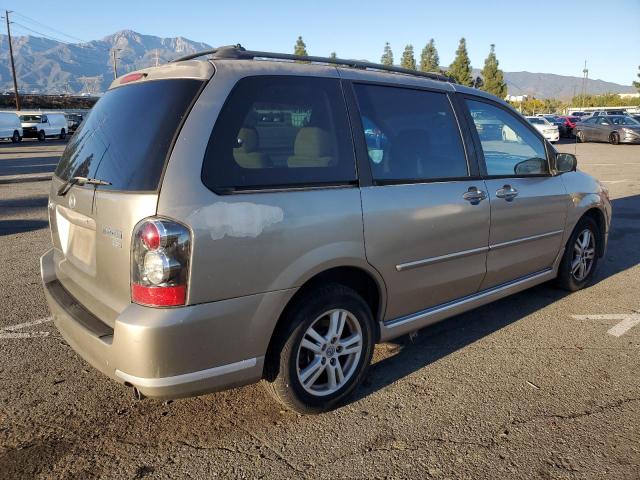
{"x":43,"y":125}
{"x":10,"y":127}
{"x":210,"y":250}
{"x":578,"y":113}
{"x":614,"y":129}
{"x":546,"y":128}
{"x":73,"y":121}
{"x":636,"y":117}
{"x":599,"y":113}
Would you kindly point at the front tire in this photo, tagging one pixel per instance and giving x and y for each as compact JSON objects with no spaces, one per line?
{"x":581,"y":138}
{"x":16,"y":137}
{"x":580,"y":260}
{"x":614,"y":138}
{"x":323,"y":352}
{"x":41,"y":136}
{"x":63,"y":134}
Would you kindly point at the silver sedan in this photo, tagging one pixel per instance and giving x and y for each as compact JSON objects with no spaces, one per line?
{"x":614,"y":129}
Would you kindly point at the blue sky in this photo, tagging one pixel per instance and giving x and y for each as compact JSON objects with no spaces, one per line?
{"x":537,"y":36}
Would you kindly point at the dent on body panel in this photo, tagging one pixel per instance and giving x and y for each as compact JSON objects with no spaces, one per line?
{"x":241,"y":219}
{"x":585,"y":192}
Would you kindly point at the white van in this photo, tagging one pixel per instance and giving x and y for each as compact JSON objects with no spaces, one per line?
{"x":10,"y":126}
{"x":42,"y":125}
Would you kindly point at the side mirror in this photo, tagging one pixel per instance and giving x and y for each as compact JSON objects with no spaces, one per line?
{"x":531,"y":166}
{"x":566,"y":162}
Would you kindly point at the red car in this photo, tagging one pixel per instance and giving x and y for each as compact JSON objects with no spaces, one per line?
{"x":569,"y":123}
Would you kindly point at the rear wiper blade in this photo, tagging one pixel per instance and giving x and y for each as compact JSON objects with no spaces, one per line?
{"x":62,"y":191}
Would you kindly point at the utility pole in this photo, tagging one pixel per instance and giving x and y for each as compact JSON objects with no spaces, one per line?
{"x":585,"y":78}
{"x":157,"y":59}
{"x":13,"y":66}
{"x":115,"y":62}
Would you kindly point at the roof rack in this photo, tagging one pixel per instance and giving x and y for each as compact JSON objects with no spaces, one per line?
{"x":238,"y":52}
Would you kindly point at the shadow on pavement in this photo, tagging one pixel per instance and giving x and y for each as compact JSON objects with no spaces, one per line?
{"x":39,"y":201}
{"x":441,"y":339}
{"x":10,"y":227}
{"x":21,"y":166}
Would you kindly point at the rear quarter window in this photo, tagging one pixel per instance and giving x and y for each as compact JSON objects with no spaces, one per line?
{"x":279,"y":132}
{"x":128,"y":133}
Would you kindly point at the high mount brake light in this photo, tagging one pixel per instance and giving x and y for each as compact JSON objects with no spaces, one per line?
{"x":160,"y":253}
{"x":132,"y":77}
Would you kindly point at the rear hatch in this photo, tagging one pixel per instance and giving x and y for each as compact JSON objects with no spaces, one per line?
{"x":125,"y":140}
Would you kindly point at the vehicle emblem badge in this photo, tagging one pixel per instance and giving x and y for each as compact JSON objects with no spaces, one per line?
{"x":72,"y":201}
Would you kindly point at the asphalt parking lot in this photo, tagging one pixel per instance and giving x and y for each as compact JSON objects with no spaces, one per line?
{"x":539,"y":385}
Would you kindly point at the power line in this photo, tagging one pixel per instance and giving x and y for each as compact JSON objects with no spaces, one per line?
{"x":40,"y":33}
{"x":47,"y":27}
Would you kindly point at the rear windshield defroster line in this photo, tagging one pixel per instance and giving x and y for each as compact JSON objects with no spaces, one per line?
{"x":128,"y":133}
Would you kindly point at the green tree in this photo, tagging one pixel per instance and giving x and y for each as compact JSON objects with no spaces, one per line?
{"x":333,"y":55}
{"x":637,"y":84}
{"x":408,"y":60}
{"x":387,"y":55}
{"x":492,"y":75}
{"x":300,"y":48}
{"x":460,"y":69}
{"x":429,"y":59}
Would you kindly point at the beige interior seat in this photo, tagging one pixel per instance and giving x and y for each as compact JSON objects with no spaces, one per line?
{"x":246,"y":154}
{"x":313,"y":148}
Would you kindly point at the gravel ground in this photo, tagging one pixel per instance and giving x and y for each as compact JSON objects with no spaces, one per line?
{"x":516,"y":389}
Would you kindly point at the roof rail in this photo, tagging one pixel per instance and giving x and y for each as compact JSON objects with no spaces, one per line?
{"x":240,"y":53}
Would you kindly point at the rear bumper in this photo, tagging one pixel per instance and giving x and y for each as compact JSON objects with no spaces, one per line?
{"x":170,"y":352}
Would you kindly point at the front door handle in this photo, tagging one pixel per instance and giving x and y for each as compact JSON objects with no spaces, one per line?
{"x":507,"y":192}
{"x":474,"y":196}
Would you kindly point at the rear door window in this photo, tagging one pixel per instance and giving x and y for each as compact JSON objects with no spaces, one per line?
{"x":411,"y":135}
{"x":128,"y":133}
{"x":280,"y":131}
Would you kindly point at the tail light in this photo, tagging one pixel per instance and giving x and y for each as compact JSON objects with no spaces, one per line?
{"x":160,"y":263}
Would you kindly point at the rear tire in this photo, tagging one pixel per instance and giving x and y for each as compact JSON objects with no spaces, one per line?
{"x":41,"y":136}
{"x":63,"y":134}
{"x":614,"y":138}
{"x":323,"y":351}
{"x":16,"y":137}
{"x":580,"y":259}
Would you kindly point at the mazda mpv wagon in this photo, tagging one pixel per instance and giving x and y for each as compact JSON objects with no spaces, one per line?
{"x":249,"y":216}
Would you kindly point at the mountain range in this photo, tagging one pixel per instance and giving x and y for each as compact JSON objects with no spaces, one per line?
{"x":48,"y":66}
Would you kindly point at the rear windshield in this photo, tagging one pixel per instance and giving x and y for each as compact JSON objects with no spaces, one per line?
{"x":126,"y":136}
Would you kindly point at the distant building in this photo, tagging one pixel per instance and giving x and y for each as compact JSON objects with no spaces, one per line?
{"x":516,"y":98}
{"x":629,"y":95}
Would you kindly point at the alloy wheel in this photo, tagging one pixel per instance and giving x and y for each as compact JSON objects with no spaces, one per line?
{"x":584,"y":250}
{"x":329,"y":352}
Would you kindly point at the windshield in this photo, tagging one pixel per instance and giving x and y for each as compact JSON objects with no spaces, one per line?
{"x":623,"y":121}
{"x":30,"y":118}
{"x":536,"y":120}
{"x":551,"y":118}
{"x":126,"y":137}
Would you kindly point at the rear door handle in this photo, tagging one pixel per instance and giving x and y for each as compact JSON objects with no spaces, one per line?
{"x":507,"y":192}
{"x":474,"y":196}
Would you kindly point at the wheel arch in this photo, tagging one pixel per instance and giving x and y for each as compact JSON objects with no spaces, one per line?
{"x":367,"y":284}
{"x":598,"y":216}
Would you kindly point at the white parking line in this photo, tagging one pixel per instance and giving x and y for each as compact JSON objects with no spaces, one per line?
{"x":10,"y":331}
{"x":615,"y":181}
{"x":628,"y":321}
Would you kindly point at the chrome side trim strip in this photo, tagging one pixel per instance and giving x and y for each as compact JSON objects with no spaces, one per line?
{"x":186,"y":377}
{"x":464,"y":300}
{"x":442,"y":258}
{"x":464,"y":253}
{"x":525,"y":239}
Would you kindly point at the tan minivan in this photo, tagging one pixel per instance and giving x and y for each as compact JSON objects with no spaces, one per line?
{"x":248,"y":216}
